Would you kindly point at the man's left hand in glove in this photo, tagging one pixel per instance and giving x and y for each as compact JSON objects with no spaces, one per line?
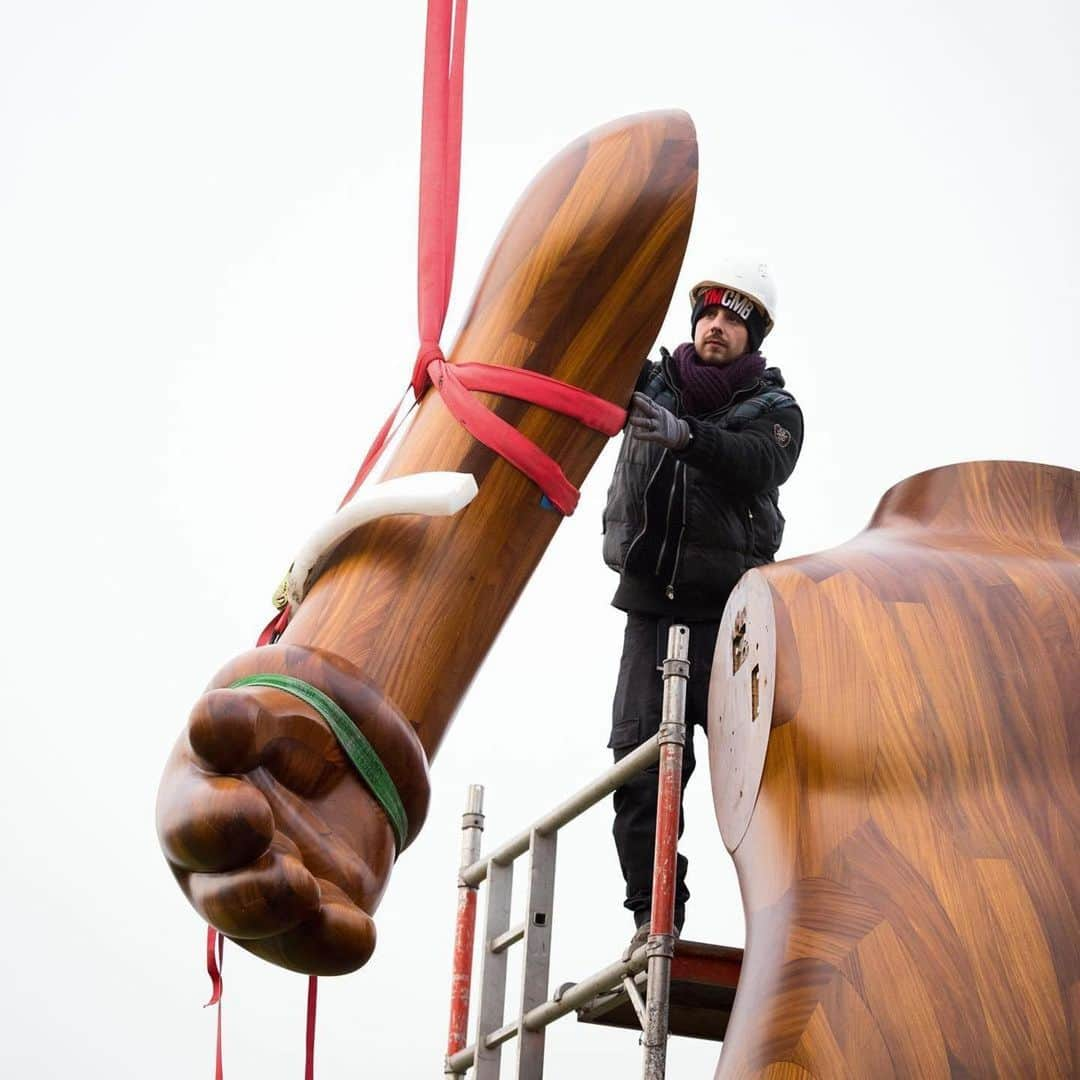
{"x":654,"y":423}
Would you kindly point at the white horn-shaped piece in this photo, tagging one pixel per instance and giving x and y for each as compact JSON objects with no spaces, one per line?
{"x":433,"y":494}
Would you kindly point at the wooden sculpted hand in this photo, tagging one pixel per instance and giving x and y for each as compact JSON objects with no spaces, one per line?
{"x":267,"y":825}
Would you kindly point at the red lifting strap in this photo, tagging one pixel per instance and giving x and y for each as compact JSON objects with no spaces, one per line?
{"x":440,"y":179}
{"x":440,"y":171}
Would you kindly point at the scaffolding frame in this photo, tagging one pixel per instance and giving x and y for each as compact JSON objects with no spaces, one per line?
{"x":537,"y":1009}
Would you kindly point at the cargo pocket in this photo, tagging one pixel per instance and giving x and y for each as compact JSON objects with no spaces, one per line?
{"x":625,"y":733}
{"x":777,"y":537}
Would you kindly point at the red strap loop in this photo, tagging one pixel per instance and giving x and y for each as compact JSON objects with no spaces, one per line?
{"x":595,"y":412}
{"x":503,"y":438}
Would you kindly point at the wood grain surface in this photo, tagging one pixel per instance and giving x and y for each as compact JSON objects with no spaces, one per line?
{"x":910,"y":869}
{"x":271,"y":835}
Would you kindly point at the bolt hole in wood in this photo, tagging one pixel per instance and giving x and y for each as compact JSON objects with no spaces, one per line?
{"x":739,"y":646}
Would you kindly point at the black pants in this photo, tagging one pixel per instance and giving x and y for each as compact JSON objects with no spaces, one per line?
{"x":636,"y":715}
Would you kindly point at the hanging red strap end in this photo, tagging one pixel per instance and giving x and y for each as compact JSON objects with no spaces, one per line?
{"x":373,"y":454}
{"x":215,"y":946}
{"x":274,"y":629}
{"x":309,"y":1039}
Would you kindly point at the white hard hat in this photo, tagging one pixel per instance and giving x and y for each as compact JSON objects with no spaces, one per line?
{"x":748,"y":276}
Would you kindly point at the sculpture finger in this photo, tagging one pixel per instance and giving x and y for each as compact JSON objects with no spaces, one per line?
{"x":272,"y":895}
{"x":293,"y":743}
{"x":332,"y":848}
{"x":210,"y":823}
{"x":237,"y":729}
{"x":221,"y":730}
{"x":339,"y":939}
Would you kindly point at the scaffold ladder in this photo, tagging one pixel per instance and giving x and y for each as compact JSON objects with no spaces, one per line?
{"x":537,"y":1009}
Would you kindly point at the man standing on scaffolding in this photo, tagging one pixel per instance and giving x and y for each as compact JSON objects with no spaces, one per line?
{"x":693,"y":504}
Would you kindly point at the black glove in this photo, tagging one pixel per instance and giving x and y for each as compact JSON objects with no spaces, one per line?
{"x":653,"y":423}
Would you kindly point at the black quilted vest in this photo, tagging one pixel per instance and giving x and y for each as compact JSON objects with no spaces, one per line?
{"x":704,"y":539}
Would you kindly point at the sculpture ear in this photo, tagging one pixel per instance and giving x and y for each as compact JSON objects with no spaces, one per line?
{"x":434,"y":494}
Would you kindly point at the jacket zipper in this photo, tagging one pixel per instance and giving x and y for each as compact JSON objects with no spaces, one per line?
{"x":667,"y":520}
{"x":750,"y":529}
{"x":675,"y":480}
{"x":664,"y":357}
{"x":645,"y":508}
{"x":669,"y":592}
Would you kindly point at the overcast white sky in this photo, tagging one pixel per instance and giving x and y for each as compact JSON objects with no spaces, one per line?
{"x":207,"y":306}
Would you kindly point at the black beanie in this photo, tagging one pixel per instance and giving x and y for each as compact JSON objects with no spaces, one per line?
{"x":750,"y":314}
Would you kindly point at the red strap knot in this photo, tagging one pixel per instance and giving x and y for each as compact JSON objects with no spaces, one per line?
{"x":430,"y":352}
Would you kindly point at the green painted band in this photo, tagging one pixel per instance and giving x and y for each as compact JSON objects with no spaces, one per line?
{"x":359,"y":751}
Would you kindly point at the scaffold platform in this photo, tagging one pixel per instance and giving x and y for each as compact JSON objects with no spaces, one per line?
{"x":700,"y":998}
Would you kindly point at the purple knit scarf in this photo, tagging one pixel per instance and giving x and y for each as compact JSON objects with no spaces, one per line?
{"x":707,"y":387}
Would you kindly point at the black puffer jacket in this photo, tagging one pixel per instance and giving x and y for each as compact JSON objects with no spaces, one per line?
{"x":681,"y":528}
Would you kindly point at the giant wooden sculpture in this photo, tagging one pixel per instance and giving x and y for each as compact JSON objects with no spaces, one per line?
{"x":893,"y":739}
{"x":270,"y":832}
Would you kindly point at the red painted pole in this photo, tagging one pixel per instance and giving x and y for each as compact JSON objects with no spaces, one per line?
{"x":667,"y":839}
{"x":472,"y":826}
{"x":461,"y":981}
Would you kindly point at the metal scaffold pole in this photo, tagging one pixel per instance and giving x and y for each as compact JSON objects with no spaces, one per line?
{"x":661,"y":943}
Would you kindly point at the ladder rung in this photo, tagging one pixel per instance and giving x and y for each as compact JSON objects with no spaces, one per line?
{"x":501,"y":1035}
{"x":508,"y":938}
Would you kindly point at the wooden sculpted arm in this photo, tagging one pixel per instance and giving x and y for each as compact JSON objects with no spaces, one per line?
{"x":268,"y":828}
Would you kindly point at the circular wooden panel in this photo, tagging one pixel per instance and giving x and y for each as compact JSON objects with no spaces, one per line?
{"x":740,"y":704}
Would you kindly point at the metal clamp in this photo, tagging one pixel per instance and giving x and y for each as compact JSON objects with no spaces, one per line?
{"x":679,"y":669}
{"x":660,"y":945}
{"x":672,"y":732}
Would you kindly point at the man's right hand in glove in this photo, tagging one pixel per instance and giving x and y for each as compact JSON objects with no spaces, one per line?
{"x":653,"y":423}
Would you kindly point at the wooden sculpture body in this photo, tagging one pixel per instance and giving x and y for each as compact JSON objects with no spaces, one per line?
{"x":269,"y":831}
{"x":905,"y":830}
